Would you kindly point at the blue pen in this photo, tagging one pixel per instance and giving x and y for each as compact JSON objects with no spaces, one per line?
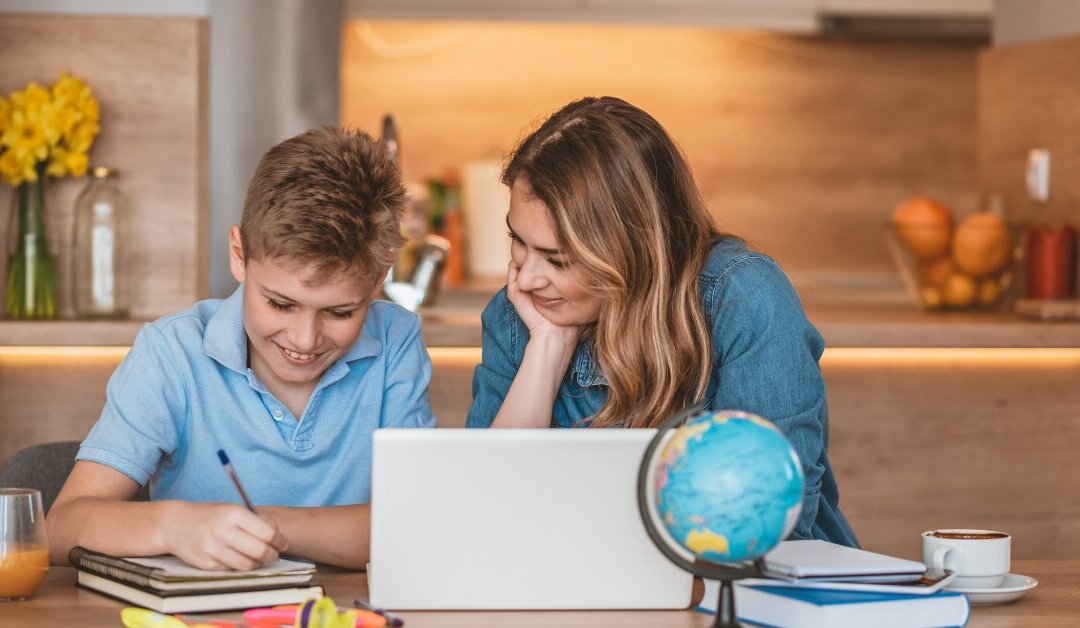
{"x":236,"y":480}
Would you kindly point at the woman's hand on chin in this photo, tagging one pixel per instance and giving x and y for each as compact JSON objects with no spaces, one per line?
{"x":537,"y":323}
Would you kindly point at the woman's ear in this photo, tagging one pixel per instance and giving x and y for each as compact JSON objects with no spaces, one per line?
{"x":236,"y":254}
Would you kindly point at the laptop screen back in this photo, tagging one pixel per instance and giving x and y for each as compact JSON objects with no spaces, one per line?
{"x":514,"y":519}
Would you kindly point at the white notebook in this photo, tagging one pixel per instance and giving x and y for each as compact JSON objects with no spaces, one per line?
{"x":821,"y":560}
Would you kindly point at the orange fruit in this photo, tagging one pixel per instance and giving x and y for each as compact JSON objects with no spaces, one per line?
{"x":930,"y":297}
{"x":959,"y":291}
{"x":934,"y":272}
{"x":982,"y":245}
{"x":924,"y":226}
{"x":989,"y":292}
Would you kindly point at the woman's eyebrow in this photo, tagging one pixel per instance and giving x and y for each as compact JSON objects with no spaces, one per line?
{"x":553,"y":252}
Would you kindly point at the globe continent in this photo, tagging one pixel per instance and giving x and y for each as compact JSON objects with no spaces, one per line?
{"x":728,"y":486}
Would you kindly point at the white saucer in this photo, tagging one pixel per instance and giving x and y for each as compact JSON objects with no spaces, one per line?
{"x":1011,"y":588}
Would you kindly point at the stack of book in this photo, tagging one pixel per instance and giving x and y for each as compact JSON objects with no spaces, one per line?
{"x":168,"y":585}
{"x":815,"y":584}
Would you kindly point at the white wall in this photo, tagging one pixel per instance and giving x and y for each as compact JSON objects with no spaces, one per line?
{"x":274,"y":73}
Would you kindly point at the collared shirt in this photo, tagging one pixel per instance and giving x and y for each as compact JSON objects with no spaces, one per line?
{"x":764,"y":360}
{"x":185,"y":390}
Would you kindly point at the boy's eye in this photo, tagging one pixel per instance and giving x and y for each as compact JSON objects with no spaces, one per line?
{"x":278,"y":305}
{"x":341,"y":314}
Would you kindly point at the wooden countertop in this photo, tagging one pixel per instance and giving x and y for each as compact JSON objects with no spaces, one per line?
{"x":456,"y":323}
{"x":842,"y":326}
{"x":1055,"y":602}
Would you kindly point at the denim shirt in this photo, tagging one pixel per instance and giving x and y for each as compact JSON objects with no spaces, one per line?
{"x":764,"y":360}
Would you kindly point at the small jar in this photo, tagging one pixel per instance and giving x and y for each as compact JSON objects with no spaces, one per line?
{"x":98,"y":278}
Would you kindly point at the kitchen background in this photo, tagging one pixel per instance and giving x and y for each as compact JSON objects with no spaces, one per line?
{"x":805,"y":121}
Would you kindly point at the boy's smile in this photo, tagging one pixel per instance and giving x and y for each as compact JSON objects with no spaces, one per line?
{"x":296,"y":328}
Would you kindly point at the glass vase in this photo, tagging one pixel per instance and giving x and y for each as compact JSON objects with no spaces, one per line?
{"x":31,"y":269}
{"x":98,"y":278}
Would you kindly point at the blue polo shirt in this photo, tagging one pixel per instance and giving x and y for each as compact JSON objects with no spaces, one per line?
{"x":185,"y":390}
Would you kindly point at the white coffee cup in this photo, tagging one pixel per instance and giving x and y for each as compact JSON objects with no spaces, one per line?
{"x":979,"y":558}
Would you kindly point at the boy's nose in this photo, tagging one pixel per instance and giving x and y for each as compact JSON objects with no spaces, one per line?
{"x":304,"y":335}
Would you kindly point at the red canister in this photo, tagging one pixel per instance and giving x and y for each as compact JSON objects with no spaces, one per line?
{"x":1051,"y":261}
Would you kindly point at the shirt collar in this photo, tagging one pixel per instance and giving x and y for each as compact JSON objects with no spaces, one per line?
{"x":585,"y":368}
{"x":226,"y":340}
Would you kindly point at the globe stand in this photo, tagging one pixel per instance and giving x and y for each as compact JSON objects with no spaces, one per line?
{"x":727,"y":575}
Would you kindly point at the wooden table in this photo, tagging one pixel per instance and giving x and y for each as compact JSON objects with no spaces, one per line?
{"x":1056,"y":602}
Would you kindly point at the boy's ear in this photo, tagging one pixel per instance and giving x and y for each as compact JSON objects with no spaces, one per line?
{"x":236,"y":254}
{"x":377,"y":289}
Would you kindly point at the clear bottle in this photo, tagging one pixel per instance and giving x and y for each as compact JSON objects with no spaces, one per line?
{"x":99,"y":283}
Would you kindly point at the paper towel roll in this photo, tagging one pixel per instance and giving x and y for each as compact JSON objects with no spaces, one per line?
{"x":485,"y":201}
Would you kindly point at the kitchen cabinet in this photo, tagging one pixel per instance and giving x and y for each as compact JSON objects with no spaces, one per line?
{"x":796,"y":16}
{"x":780,"y":15}
{"x":908,"y":8}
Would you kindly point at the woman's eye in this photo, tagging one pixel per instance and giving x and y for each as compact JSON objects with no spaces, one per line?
{"x":558,"y":263}
{"x":278,"y":305}
{"x":513,"y":237}
{"x":341,"y":314}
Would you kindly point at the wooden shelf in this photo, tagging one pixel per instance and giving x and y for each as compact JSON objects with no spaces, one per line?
{"x":69,"y":333}
{"x":457,"y":326}
{"x":872,"y":327}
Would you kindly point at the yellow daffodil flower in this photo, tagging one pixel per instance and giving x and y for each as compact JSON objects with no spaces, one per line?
{"x":54,"y":127}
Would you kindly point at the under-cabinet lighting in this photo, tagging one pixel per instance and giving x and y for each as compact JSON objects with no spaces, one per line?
{"x":840,"y":356}
{"x":856,"y":356}
{"x":63,"y":352}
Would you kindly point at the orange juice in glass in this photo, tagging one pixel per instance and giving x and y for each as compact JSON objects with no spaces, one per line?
{"x":24,"y":550}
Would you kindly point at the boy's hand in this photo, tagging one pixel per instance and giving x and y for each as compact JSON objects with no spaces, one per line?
{"x":221,"y":536}
{"x":533,"y":319}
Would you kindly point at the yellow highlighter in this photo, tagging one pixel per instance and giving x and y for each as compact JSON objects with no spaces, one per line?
{"x":133,"y":617}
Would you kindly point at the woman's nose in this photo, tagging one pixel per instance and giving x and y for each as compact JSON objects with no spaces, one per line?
{"x":529,"y":276}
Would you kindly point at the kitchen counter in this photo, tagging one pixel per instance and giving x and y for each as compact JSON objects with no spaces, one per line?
{"x":850,"y":326}
{"x":845,"y":318}
{"x":455,"y":322}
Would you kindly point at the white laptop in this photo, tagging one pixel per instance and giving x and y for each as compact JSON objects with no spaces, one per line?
{"x":514,"y":519}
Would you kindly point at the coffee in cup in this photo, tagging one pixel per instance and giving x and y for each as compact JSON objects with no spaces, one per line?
{"x":979,"y":558}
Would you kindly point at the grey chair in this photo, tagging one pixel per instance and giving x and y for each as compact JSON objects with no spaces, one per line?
{"x":46,"y":467}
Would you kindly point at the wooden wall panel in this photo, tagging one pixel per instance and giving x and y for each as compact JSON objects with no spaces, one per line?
{"x":48,"y":398}
{"x":916,"y":442}
{"x":1029,"y":97}
{"x":925,"y":442}
{"x":803,"y":145}
{"x":151,"y":76}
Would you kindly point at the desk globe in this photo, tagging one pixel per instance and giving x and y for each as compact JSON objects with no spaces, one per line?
{"x":716,"y":491}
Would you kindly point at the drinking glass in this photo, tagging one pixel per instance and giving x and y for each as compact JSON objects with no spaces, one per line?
{"x":24,"y":550}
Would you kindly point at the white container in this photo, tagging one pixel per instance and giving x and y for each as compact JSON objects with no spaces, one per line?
{"x":485,"y":201}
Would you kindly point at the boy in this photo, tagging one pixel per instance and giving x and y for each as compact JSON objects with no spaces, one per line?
{"x":289,"y":376}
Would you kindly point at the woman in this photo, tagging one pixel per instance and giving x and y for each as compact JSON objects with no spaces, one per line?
{"x":624,"y":302}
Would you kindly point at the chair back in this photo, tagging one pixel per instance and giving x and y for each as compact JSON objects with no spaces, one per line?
{"x":46,"y":467}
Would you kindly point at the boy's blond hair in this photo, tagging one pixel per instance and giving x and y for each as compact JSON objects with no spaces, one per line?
{"x":330,"y":199}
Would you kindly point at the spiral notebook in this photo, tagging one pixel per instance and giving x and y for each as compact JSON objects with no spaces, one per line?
{"x":823,"y":561}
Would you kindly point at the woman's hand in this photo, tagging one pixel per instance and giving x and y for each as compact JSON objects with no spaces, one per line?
{"x":221,"y":536}
{"x":536,"y":322}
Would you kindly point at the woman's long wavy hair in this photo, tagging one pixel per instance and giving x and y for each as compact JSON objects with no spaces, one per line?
{"x":634,"y":228}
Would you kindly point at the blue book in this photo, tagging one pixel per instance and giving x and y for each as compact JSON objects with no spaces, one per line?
{"x":805,"y":606}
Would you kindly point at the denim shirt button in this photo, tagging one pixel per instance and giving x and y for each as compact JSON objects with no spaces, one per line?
{"x":278,"y":415}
